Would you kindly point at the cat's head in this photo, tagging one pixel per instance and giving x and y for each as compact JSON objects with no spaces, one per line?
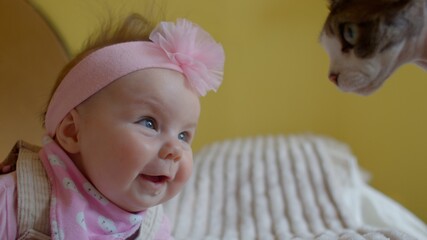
{"x":364,"y":40}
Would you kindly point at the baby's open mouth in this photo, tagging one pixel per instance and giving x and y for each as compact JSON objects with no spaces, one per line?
{"x":155,"y":179}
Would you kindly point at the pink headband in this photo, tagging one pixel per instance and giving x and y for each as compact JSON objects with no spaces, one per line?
{"x":183,"y":47}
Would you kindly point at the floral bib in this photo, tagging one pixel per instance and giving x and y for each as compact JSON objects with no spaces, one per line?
{"x":77,"y":209}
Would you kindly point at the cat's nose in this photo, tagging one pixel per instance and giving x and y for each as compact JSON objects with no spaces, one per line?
{"x":333,"y":77}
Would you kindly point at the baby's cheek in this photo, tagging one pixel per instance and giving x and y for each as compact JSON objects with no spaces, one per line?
{"x":184,"y":173}
{"x":181,"y":178}
{"x":186,"y":169}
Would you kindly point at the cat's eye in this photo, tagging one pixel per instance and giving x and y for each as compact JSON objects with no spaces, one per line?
{"x":350,"y":33}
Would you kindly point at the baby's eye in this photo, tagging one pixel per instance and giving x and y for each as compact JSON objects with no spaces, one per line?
{"x":184,"y":136}
{"x":148,"y":123}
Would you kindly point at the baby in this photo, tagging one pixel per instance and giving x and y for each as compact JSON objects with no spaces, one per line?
{"x":119,"y":125}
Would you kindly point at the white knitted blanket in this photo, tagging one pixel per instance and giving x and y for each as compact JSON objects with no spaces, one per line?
{"x":273,"y":187}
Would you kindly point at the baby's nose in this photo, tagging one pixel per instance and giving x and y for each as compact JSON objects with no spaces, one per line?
{"x":171,"y":150}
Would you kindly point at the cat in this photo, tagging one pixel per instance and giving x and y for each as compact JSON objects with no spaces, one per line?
{"x":367,"y":40}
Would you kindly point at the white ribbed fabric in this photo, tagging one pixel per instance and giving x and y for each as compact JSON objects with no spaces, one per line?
{"x":272,"y":187}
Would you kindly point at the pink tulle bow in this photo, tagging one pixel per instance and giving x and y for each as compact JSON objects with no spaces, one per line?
{"x":194,"y":50}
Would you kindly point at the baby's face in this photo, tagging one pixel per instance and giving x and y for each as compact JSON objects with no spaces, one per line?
{"x":135,"y":138}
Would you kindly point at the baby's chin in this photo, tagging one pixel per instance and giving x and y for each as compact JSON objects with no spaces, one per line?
{"x":141,"y":202}
{"x":141,"y":206}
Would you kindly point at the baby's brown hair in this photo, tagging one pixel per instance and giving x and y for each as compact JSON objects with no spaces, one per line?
{"x":133,"y":28}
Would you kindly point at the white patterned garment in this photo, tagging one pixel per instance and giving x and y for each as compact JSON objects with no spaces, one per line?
{"x":284,"y":187}
{"x":77,"y":209}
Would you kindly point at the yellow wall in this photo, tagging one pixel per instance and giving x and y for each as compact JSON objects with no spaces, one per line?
{"x":30,"y":59}
{"x":275,"y":82}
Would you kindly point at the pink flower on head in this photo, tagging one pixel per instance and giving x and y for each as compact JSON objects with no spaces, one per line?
{"x":194,"y":50}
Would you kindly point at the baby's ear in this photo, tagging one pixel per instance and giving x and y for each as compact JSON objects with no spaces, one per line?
{"x":67,"y":132}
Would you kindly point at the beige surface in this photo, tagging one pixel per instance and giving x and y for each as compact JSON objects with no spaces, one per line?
{"x":30,"y":58}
